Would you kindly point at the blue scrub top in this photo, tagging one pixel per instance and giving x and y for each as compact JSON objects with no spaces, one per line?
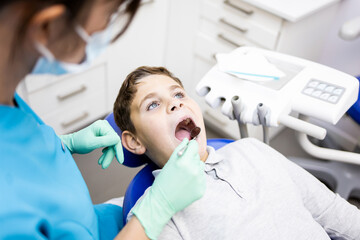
{"x":42,"y":192}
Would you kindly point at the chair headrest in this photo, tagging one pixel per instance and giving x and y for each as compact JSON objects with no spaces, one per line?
{"x":130,"y":159}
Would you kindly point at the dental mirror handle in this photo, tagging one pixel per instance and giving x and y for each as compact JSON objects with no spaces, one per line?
{"x":182,"y":150}
{"x":193,"y":135}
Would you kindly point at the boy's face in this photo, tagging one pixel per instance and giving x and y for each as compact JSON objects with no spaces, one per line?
{"x":163,"y":115}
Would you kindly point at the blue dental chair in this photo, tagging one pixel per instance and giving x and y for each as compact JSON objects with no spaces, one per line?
{"x":354,"y":111}
{"x":144,"y":178}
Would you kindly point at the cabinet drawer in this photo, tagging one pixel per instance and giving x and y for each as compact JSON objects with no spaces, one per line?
{"x":210,"y":42}
{"x":252,"y":23}
{"x":64,"y":92}
{"x":206,"y":48}
{"x":212,"y":9}
{"x":83,"y":112}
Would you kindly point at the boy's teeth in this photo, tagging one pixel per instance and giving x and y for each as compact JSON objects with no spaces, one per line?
{"x":187,"y":121}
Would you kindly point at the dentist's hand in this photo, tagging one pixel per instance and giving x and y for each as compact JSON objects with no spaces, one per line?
{"x":97,"y":135}
{"x":180,"y":183}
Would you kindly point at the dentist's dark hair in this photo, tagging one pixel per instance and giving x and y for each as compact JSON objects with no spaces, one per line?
{"x":131,"y":7}
{"x":27,"y":9}
{"x":122,"y":105}
{"x":77,"y":12}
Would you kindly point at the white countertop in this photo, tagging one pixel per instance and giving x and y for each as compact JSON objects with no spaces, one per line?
{"x":291,"y":10}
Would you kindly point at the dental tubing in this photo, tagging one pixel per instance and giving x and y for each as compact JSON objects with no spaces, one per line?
{"x":264,"y":114}
{"x":237,"y":109}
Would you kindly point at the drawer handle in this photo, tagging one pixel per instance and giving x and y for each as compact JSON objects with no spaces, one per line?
{"x":75,"y":120}
{"x":223,"y":21}
{"x":62,"y":97}
{"x":246,"y":11}
{"x":221,"y":36}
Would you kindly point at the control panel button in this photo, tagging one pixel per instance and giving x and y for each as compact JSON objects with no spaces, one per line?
{"x":308,"y":91}
{"x":325,"y":96}
{"x":338,"y":91}
{"x":321,"y":86}
{"x":313,"y":84}
{"x":316,"y":93}
{"x":329,"y":89}
{"x":333,"y":99}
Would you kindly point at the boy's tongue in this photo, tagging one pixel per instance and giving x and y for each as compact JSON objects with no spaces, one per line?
{"x":182,"y":133}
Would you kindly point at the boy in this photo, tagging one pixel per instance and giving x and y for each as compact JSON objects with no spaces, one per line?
{"x":253,"y":192}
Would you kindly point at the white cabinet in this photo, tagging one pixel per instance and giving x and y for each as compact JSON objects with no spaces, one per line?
{"x":240,"y":20}
{"x":69,"y":102}
{"x":223,"y":25}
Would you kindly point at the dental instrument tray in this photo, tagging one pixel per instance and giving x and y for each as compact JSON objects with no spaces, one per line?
{"x":294,"y":85}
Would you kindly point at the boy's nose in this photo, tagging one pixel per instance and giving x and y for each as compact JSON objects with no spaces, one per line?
{"x":176,"y":105}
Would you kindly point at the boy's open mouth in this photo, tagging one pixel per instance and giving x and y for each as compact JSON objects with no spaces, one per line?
{"x":186,"y":129}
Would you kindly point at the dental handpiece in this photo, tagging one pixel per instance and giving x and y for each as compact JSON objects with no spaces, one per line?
{"x":193,"y":135}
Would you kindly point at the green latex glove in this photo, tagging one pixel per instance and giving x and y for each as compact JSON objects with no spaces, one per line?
{"x":97,"y":135}
{"x":180,"y":183}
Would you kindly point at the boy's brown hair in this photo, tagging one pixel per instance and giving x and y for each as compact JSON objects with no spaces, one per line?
{"x":127,"y":93}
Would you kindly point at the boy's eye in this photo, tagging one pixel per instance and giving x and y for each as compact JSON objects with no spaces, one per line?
{"x":152,"y":105}
{"x":179,"y":95}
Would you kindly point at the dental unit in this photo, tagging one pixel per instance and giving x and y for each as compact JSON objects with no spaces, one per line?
{"x":267,"y":88}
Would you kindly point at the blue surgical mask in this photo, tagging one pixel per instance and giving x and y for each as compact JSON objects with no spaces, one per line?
{"x":95,"y":45}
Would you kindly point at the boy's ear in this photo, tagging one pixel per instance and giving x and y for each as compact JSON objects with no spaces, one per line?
{"x":132,"y":143}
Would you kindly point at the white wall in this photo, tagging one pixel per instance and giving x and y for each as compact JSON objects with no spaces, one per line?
{"x":142,"y":44}
{"x":338,"y":53}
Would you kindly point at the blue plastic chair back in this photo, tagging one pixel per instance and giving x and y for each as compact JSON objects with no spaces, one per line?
{"x":144,"y":179}
{"x":354,"y":111}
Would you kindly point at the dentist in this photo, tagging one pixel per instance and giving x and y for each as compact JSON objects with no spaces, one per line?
{"x":42,"y":192}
